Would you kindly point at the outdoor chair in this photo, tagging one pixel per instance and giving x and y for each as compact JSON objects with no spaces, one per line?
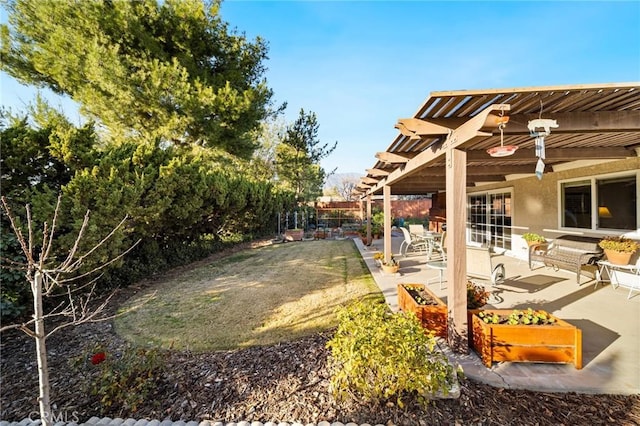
{"x":416,"y":229}
{"x":439,"y":265}
{"x":412,"y":243}
{"x":480,"y":265}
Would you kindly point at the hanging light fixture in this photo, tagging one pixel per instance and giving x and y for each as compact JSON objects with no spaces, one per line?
{"x":502,"y":150}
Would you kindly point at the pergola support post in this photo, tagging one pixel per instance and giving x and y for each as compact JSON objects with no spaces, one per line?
{"x":369,"y":218}
{"x":456,"y":164}
{"x":386,"y":191}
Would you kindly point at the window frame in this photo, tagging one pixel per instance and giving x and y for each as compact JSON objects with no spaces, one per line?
{"x":487,"y":194}
{"x":593,"y":179}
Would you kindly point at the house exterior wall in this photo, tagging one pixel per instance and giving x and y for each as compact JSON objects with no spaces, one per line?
{"x":536,"y":202}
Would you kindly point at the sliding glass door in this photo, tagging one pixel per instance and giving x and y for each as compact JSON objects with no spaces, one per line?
{"x":489,"y":219}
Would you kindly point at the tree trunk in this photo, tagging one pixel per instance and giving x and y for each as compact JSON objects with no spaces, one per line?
{"x":41,"y":351}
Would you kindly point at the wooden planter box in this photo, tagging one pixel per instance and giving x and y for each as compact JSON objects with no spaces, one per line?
{"x":559,"y":342}
{"x":432,"y":317}
{"x":320,"y":235}
{"x":293,"y":234}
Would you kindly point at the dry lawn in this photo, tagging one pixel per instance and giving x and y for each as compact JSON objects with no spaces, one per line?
{"x":254,"y":297}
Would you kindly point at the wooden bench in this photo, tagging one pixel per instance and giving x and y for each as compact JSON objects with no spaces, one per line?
{"x":570,"y":252}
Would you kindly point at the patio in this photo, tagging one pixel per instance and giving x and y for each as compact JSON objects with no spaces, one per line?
{"x":610,"y":323}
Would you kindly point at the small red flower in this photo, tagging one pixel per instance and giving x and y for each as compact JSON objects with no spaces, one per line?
{"x":98,"y":358}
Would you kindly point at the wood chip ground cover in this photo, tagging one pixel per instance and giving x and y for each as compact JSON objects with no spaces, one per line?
{"x":286,"y":381}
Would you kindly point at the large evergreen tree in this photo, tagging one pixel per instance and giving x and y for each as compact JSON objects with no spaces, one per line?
{"x":167,"y":70}
{"x":298,"y":157}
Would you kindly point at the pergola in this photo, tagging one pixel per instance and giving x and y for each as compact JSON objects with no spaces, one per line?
{"x":444,"y":148}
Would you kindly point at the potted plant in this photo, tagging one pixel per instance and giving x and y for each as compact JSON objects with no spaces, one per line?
{"x":377,"y":224}
{"x":376,"y":231}
{"x":378,"y":257}
{"x":524,"y":335}
{"x":618,"y":249}
{"x":477,"y":296}
{"x":532,"y":238}
{"x":390,"y":267}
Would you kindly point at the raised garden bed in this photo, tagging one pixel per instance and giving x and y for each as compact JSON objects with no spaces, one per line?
{"x":557,"y":342}
{"x":430,"y":309}
{"x":293,"y":234}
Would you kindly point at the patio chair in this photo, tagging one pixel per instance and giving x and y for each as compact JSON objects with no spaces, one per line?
{"x":416,"y":229}
{"x":480,"y":265}
{"x":411,"y":242}
{"x":441,"y":264}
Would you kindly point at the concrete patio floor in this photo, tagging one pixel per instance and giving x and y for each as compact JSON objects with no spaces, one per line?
{"x":610,"y":324}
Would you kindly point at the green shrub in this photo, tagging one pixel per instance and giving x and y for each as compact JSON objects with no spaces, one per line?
{"x":14,"y":291}
{"x":377,"y":355}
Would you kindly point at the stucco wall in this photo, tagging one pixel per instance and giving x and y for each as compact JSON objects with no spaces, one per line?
{"x":535,"y":202}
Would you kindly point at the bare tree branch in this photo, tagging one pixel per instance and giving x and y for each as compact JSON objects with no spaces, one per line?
{"x":64,"y":265}
{"x":104,"y":265}
{"x":30,"y":229}
{"x":53,"y":227}
{"x":17,"y":231}
{"x":13,"y":264}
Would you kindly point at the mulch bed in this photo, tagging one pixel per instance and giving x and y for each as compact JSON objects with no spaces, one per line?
{"x":284,"y":382}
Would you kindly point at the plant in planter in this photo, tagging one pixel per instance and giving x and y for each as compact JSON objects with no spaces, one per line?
{"x":363,"y":235}
{"x":528,"y":317}
{"x":377,"y":224}
{"x":618,"y":249}
{"x":477,"y":296}
{"x":428,"y":308}
{"x":378,"y":257}
{"x":532,"y":238}
{"x":390,"y":267}
{"x":524,"y":335}
{"x":376,"y":230}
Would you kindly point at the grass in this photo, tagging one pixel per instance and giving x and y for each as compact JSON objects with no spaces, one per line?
{"x":254,"y":297}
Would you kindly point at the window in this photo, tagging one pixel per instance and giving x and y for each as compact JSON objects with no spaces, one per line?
{"x":576,"y":209}
{"x":489,"y":219}
{"x":600,"y":203}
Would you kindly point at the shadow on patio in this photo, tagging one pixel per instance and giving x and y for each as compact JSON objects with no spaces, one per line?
{"x":610,"y":324}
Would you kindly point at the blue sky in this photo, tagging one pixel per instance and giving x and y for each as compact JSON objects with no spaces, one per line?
{"x":362,"y":65}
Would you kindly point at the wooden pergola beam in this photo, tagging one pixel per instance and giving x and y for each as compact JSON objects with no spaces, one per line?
{"x":568,"y":122}
{"x":369,"y":180}
{"x":465,"y":133}
{"x":558,"y":154}
{"x":415,"y":127}
{"x":441,"y":179}
{"x":476,"y":170}
{"x":377,"y":172}
{"x":392,"y":157}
